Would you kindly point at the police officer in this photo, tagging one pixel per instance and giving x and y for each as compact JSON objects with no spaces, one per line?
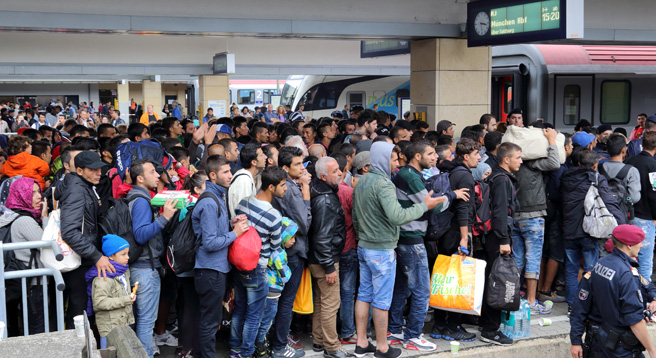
{"x":610,"y":305}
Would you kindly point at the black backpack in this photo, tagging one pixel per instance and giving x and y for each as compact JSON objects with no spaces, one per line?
{"x":13,"y":287}
{"x":502,"y":286}
{"x":183,"y":243}
{"x":117,"y":220}
{"x":618,"y":190}
{"x":438,"y":223}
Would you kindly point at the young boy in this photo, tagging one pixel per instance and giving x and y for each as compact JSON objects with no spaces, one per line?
{"x":278,"y":273}
{"x":111,"y":297}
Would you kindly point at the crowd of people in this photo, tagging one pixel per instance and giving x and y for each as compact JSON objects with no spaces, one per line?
{"x":344,"y":197}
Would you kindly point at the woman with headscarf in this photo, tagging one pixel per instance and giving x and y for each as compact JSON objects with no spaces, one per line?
{"x":25,"y":218}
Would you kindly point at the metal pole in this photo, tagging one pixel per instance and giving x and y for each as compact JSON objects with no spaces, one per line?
{"x":46,"y":314}
{"x":3,"y":303}
{"x":26,"y":330}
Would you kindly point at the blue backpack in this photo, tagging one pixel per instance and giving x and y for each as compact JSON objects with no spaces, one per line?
{"x":438,"y":223}
{"x":129,"y":152}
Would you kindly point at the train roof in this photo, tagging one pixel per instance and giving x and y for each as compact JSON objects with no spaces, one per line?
{"x":581,"y":59}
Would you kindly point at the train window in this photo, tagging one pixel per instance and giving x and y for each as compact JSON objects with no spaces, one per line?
{"x":615,"y":102}
{"x":355,"y":99}
{"x":508,"y":103}
{"x":322,"y":96}
{"x":267,"y":95}
{"x":571,"y":104}
{"x":245,"y":96}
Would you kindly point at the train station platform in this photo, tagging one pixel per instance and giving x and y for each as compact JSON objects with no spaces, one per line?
{"x":548,"y":341}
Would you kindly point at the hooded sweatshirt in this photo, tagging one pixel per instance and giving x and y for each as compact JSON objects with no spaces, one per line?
{"x":377,"y":214}
{"x":26,"y":165}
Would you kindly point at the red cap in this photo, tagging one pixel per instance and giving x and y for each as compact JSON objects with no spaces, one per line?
{"x":629,"y":234}
{"x":21,"y":130}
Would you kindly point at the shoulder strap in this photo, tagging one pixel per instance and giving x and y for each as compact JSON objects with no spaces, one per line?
{"x":623,"y":172}
{"x":236,"y":176}
{"x":207,"y":194}
{"x":603,"y":171}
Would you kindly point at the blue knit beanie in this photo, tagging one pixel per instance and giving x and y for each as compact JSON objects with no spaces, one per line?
{"x":112,"y":244}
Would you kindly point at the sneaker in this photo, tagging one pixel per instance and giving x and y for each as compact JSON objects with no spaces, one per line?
{"x":394,"y":339}
{"x":362,"y":352}
{"x":340,"y":353}
{"x":497,"y":338}
{"x":539,"y":308}
{"x":318,"y":347}
{"x":295,"y":342}
{"x":166,"y":339}
{"x":552,"y":296}
{"x":419,"y":344}
{"x":349,"y":340}
{"x":391,"y":353}
{"x":154,"y":348}
{"x":288,"y":352}
{"x":235,"y":353}
{"x":459,"y":334}
{"x":261,"y":350}
{"x":172,"y":328}
{"x":437,"y":332}
{"x":184,"y":354}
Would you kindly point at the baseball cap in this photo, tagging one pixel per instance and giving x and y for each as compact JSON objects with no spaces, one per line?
{"x":223,"y":128}
{"x":88,"y":159}
{"x":337,"y":114}
{"x":652,"y":118}
{"x":361,"y":160}
{"x":583,"y":138}
{"x":443,"y":125}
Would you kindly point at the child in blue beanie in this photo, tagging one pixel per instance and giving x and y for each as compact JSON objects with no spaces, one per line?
{"x":111,"y":298}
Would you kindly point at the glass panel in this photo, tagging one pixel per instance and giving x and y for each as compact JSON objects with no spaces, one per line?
{"x":508,"y":90}
{"x":571,"y":104}
{"x":615,"y":102}
{"x":356,"y":99}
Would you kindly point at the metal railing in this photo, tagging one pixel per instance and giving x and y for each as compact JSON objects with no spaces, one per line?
{"x":24,"y":274}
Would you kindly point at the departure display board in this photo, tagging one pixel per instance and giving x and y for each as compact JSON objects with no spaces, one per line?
{"x":514,"y":21}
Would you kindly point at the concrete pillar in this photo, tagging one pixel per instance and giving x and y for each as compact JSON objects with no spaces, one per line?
{"x":214,"y":89}
{"x":123,"y":97}
{"x":152,"y":94}
{"x":450,"y":81}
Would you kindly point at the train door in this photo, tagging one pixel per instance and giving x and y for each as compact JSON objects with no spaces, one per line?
{"x":573,"y":100}
{"x":502,"y":96}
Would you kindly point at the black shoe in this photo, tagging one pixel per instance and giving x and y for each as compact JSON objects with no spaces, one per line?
{"x":261,"y":350}
{"x":318,"y":347}
{"x":340,"y":353}
{"x":362,"y":352}
{"x":391,"y":353}
{"x":497,"y":338}
{"x":459,"y":334}
{"x":437,"y":332}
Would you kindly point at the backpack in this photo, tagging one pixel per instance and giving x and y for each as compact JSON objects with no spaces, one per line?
{"x":502,"y":285}
{"x":619,"y":190}
{"x":183,"y":243}
{"x":118,"y":221}
{"x":483,"y":219}
{"x":128,"y":152}
{"x":438,"y":223}
{"x":5,"y":184}
{"x":598,"y":222}
{"x":13,"y":287}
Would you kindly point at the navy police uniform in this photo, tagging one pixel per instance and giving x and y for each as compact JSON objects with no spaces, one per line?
{"x":612,"y":298}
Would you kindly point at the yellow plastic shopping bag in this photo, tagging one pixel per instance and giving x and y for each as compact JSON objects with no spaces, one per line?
{"x":303,"y":303}
{"x":457,"y":284}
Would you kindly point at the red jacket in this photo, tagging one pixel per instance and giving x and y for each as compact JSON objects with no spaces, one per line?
{"x":345,"y":194}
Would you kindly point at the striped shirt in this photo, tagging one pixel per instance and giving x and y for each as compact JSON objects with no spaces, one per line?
{"x":411,"y":189}
{"x":267,"y":222}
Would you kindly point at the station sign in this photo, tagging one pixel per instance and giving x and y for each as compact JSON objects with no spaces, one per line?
{"x":223,"y":63}
{"x":380,"y":48}
{"x":491,"y":23}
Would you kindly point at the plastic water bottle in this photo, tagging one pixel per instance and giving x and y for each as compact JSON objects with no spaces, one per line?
{"x":525,"y":309}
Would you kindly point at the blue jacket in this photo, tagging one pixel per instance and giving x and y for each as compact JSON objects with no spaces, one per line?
{"x":213,"y":232}
{"x":634,"y":147}
{"x":176,"y":112}
{"x":293,"y":206}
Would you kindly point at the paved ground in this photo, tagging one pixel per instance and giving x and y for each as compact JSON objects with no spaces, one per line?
{"x":559,"y":327}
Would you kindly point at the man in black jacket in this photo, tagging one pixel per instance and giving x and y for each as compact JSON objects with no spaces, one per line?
{"x":645,"y":209}
{"x":80,"y":206}
{"x":326,"y":244}
{"x":503,"y":203}
{"x":448,"y":325}
{"x":574,"y":185}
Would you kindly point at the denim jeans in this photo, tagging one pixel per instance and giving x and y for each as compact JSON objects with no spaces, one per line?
{"x":413,"y":280}
{"x":377,"y":274}
{"x":646,"y":254}
{"x":527,"y":241}
{"x":146,"y":305}
{"x":348,"y":280}
{"x":251,"y":290}
{"x":575,"y":250}
{"x":286,"y":302}
{"x":270,"y":309}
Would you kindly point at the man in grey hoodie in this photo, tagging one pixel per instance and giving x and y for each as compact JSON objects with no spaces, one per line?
{"x":377,"y":215}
